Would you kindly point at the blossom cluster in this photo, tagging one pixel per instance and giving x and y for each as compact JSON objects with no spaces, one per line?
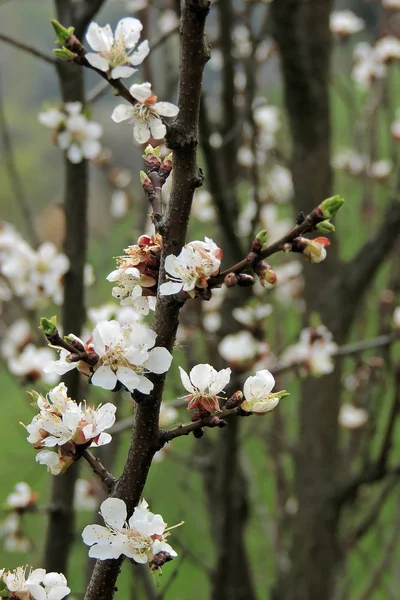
{"x":371,"y":62}
{"x":119,"y":355}
{"x":204,"y":385}
{"x":137,"y":274}
{"x":24,"y":584}
{"x":22,"y":499}
{"x":313,"y":352}
{"x":72,"y":131}
{"x":191,"y":269}
{"x":34,"y":276}
{"x":140,"y":538}
{"x":67,"y":426}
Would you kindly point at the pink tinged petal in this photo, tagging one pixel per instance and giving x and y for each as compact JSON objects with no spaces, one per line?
{"x":122,"y":72}
{"x":202,"y":376}
{"x":99,"y":38}
{"x":221,"y":381}
{"x":104,"y":377}
{"x":159,"y":360}
{"x":157,"y":128}
{"x":144,"y":386}
{"x":186,"y":381}
{"x":74,"y":154}
{"x":97,"y":61}
{"x":166,"y":109}
{"x":128,"y":378}
{"x":141,"y":131}
{"x":140,"y":53}
{"x":122,"y":112}
{"x":141,"y":91}
{"x":130,"y":28}
{"x":169,"y":288}
{"x":113,"y":511}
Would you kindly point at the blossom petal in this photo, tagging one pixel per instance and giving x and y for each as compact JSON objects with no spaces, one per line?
{"x":97,"y":61}
{"x":128,"y":378}
{"x":130,"y":29}
{"x":221,"y":381}
{"x":74,"y":154}
{"x":141,"y":91}
{"x":104,"y":377}
{"x":144,"y":386}
{"x":171,"y":287}
{"x":113,"y":511}
{"x":140,"y":53}
{"x":122,"y":72}
{"x":157,"y":128}
{"x":96,"y":534}
{"x":159,"y":360}
{"x":186,"y":381}
{"x":104,"y":552}
{"x":202,"y":376}
{"x":166,"y":109}
{"x":122,"y":112}
{"x":90,"y":148}
{"x":141,"y":131}
{"x":99,"y":38}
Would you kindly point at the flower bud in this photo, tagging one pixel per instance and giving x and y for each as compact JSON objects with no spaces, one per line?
{"x":150,"y":150}
{"x":234,"y":400}
{"x":245,"y":280}
{"x":62,"y":33}
{"x":266,"y":274}
{"x":313,"y":250}
{"x":48,"y":326}
{"x":64,"y":54}
{"x":146,"y":183}
{"x":330,"y":206}
{"x":325,"y":226}
{"x":231,"y":280}
{"x":259,"y":241}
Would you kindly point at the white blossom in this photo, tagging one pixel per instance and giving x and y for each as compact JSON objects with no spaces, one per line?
{"x":74,"y":133}
{"x":313,"y":352}
{"x":196,"y":263}
{"x":252,"y":315}
{"x":204,"y":384}
{"x":145,"y":114}
{"x":168,"y":415}
{"x":126,"y":354}
{"x":352,"y":417}
{"x":86,"y":495}
{"x":17,"y":336}
{"x":239,"y":347}
{"x":344,"y":23}
{"x":280,"y":184}
{"x":36,"y":584}
{"x":396,"y":317}
{"x":31,"y":364}
{"x":116,"y":54}
{"x":21,"y":497}
{"x":257,"y":392}
{"x":139,"y":538}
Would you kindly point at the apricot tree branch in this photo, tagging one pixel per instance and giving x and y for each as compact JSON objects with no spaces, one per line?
{"x":28,"y":49}
{"x":97,"y":467}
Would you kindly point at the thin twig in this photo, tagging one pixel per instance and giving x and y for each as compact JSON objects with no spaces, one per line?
{"x":97,"y":467}
{"x":29,"y":49}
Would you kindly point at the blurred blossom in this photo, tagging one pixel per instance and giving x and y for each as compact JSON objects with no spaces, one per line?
{"x":86,"y":495}
{"x":270,"y":220}
{"x":216,"y":61}
{"x":31,"y":364}
{"x":280,"y":184}
{"x":13,"y":538}
{"x":344,"y":23}
{"x":349,"y":160}
{"x":380,"y":169}
{"x":119,"y":204}
{"x":203,"y":208}
{"x":252,"y":315}
{"x":367,"y":67}
{"x":396,"y":317}
{"x":216,"y":140}
{"x":239,"y":348}
{"x":17,"y":336}
{"x":167,"y":21}
{"x":21,"y":497}
{"x":313,"y":352}
{"x":168,"y":415}
{"x":73,"y":132}
{"x":391,"y":4}
{"x":242,"y":45}
{"x":352,"y":417}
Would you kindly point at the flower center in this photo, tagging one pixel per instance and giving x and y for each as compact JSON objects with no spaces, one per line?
{"x":117,"y":55}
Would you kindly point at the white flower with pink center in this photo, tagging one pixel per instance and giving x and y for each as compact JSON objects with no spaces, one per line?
{"x":204,"y":384}
{"x":145,"y":114}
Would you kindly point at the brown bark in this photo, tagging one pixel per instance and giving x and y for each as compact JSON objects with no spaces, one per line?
{"x":183,"y":139}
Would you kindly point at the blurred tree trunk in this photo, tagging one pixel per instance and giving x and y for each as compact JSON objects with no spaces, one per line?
{"x":302,"y":32}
